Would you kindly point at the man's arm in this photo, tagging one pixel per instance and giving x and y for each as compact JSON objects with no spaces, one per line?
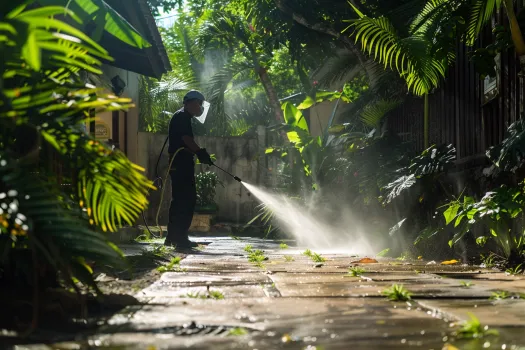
{"x":190,"y":143}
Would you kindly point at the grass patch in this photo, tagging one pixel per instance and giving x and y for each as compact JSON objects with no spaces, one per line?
{"x":248,"y":248}
{"x":356,"y":271}
{"x":518,"y":270}
{"x":499,"y":295}
{"x":472,"y":329}
{"x":397,"y":293}
{"x":173,"y":265}
{"x":289,"y":258}
{"x":314,"y":256}
{"x":215,"y":294}
{"x":158,"y":251}
{"x":237,"y":331}
{"x":404,"y":256}
{"x":317,"y":258}
{"x":257,"y":257}
{"x":466,"y":284}
{"x":210,"y":294}
{"x":283,"y":246}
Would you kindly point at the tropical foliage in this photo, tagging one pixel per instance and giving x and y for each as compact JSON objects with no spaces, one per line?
{"x":44,"y":106}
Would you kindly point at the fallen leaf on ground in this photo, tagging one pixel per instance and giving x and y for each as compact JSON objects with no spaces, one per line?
{"x":286,"y":338}
{"x":449,"y":347}
{"x":449,"y":262}
{"x":420,"y":257}
{"x":365,"y":261}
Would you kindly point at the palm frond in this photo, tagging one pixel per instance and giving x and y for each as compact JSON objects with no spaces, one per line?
{"x":373,"y":114}
{"x":481,"y":12}
{"x":411,"y":57}
{"x":44,"y":101}
{"x":429,"y":15}
{"x":38,"y":213}
{"x":401,"y":184}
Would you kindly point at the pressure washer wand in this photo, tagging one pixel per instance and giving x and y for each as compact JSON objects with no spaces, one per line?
{"x":234,"y":177}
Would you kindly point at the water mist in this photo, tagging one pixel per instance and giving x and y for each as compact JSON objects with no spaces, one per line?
{"x":312,"y":227}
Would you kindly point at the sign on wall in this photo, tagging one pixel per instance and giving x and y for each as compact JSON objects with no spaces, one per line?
{"x":491,"y":84}
{"x":102,"y":130}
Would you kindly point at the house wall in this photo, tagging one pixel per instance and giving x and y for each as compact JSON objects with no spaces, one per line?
{"x":320,"y":116}
{"x":128,"y":120}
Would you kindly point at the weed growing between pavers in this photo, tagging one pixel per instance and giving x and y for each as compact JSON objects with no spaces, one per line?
{"x":473,"y":328}
{"x":238,"y":331}
{"x":500,"y":295}
{"x":466,"y":284}
{"x":397,"y":293}
{"x":173,"y":265}
{"x":210,"y":294}
{"x":518,"y":270}
{"x":159,"y":251}
{"x":356,"y":271}
{"x":288,"y":258}
{"x":283,"y":246}
{"x":255,"y":256}
{"x":314,"y":256}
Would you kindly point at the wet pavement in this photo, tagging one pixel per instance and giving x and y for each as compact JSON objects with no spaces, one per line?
{"x":219,"y":300}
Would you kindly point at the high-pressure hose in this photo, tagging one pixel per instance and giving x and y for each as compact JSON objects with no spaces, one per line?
{"x":158,"y":182}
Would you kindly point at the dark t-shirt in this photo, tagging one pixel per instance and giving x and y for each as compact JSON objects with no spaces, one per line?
{"x":180,"y":125}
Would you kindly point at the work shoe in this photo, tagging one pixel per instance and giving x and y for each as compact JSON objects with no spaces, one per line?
{"x":181,"y":244}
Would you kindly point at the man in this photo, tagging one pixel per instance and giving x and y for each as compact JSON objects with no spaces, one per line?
{"x":182,"y":146}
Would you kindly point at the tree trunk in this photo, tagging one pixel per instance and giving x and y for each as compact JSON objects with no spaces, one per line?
{"x":517,"y":36}
{"x":271,"y":93}
{"x":425,"y":122}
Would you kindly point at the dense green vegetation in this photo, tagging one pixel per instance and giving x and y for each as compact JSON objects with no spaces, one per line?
{"x":368,"y":56}
{"x":51,"y":235}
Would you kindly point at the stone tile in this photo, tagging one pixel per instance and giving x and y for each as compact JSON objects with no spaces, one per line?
{"x":327,"y":322}
{"x":500,"y":313}
{"x":173,"y":290}
{"x":429,"y":288}
{"x":215,"y":279}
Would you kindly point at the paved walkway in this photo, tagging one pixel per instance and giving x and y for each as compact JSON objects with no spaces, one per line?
{"x":291,"y":302}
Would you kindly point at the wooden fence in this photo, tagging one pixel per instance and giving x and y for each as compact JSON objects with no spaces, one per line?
{"x":460,"y":113}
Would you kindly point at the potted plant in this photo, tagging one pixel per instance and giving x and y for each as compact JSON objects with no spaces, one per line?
{"x":206,"y":184}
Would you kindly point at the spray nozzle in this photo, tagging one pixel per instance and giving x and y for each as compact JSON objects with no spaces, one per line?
{"x":236,"y":178}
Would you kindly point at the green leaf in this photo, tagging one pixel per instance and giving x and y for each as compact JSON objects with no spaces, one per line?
{"x":481,"y":241}
{"x":31,"y":51}
{"x":269,"y":150}
{"x":293,"y":116}
{"x":307,"y":103}
{"x":293,"y":137}
{"x":451,"y":212}
{"x":383,"y":253}
{"x":112,"y":21}
{"x":49,"y":11}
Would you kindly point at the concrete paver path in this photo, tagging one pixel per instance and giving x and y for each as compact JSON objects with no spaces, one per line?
{"x":292,"y":302}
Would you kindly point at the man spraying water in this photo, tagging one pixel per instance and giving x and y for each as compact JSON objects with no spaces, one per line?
{"x":183,"y":147}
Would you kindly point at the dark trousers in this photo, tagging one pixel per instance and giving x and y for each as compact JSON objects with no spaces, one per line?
{"x":183,"y":198}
